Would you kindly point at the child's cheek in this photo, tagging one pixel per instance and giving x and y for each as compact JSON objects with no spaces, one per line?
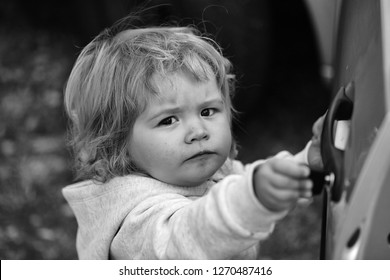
{"x":166,"y":152}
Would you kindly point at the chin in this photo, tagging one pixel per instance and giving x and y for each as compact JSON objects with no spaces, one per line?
{"x":194,"y":183}
{"x":198,"y":179}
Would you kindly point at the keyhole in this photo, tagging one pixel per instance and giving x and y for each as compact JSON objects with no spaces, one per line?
{"x":354,"y":238}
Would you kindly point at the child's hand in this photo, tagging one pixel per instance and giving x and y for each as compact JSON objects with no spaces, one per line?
{"x":314,"y":154}
{"x":280,"y":182}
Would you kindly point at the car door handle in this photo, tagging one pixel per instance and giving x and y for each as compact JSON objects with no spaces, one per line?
{"x":333,"y":157}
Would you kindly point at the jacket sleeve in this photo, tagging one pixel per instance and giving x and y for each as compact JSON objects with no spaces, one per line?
{"x":218,"y":225}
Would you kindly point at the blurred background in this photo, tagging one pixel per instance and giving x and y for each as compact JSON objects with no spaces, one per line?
{"x":279,"y":93}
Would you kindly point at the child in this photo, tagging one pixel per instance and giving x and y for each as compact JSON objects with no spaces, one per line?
{"x":151,"y":120}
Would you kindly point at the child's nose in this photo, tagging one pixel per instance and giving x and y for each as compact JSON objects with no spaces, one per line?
{"x":196,"y":132}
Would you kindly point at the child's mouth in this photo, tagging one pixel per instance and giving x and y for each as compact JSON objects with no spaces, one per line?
{"x":202,"y":154}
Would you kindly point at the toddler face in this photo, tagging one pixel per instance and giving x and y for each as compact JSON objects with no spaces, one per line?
{"x":183,"y":137}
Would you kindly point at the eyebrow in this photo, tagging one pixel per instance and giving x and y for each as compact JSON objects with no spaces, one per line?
{"x":166,"y":111}
{"x":212,"y":101}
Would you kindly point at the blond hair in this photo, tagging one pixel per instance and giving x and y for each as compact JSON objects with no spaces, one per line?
{"x":111,"y":83}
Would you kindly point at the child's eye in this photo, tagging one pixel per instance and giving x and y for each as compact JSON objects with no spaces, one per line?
{"x":167,"y":121}
{"x":208,"y":112}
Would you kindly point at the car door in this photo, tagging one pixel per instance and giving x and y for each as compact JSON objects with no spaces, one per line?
{"x":356,"y":223}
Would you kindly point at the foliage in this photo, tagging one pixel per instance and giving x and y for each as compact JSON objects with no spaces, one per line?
{"x":35,"y":221}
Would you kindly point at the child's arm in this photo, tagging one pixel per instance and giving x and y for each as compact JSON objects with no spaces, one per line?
{"x":169,"y":223}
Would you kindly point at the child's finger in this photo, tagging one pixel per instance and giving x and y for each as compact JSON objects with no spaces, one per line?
{"x":306,"y":192}
{"x":305,"y":202}
{"x":282,"y":182}
{"x":277,"y":200}
{"x":317,"y":126}
{"x":282,"y":192}
{"x":290,"y":168}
